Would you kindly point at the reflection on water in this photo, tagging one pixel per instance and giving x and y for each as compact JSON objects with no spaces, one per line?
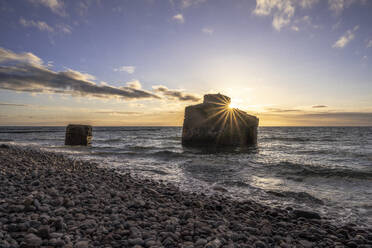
{"x":328,"y":169}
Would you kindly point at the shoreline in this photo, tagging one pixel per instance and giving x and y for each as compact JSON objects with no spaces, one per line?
{"x":49,"y":200}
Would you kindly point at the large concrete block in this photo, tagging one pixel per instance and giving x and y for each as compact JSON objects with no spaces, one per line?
{"x":214,"y":123}
{"x":78,"y":135}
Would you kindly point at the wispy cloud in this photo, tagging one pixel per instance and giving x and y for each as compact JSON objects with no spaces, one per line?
{"x":43,"y":26}
{"x":369,"y":44}
{"x":118,"y":113}
{"x":127,"y":69}
{"x":186,"y":3}
{"x":64,"y":28}
{"x":338,"y":6}
{"x":337,"y":118}
{"x":134,"y":84}
{"x":178,"y":18}
{"x":320,"y":106}
{"x":346,"y":38}
{"x":281,"y":110}
{"x":342,"y":118}
{"x":281,"y":10}
{"x":305,"y":21}
{"x":176,"y":94}
{"x":13,"y":104}
{"x":56,"y":6}
{"x":295,"y":28}
{"x":308,"y":3}
{"x":209,"y":31}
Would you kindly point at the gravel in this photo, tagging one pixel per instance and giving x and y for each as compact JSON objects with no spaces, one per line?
{"x":49,"y":200}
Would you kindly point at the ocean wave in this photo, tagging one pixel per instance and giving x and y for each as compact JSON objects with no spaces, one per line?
{"x":159,"y":172}
{"x":111,"y":140}
{"x":318,"y":171}
{"x":299,"y":139}
{"x":296,"y":139}
{"x":237,"y":184}
{"x":141,"y":148}
{"x":174,"y":138}
{"x":166,"y":154}
{"x":299,"y":196}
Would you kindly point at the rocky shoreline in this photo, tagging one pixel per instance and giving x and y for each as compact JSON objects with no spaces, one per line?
{"x":49,"y":200}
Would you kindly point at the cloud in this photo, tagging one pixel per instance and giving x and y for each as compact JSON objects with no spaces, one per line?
{"x":280,"y":110}
{"x":13,"y":104}
{"x":127,"y":69}
{"x":342,"y":118}
{"x":175,"y":94}
{"x":29,"y":58}
{"x":43,"y":26}
{"x":320,"y":106}
{"x":304,"y":21}
{"x":295,"y":28}
{"x":178,"y":18}
{"x":56,"y":6}
{"x":134,"y":84}
{"x":64,"y":28}
{"x":308,"y":3}
{"x":26,"y":73}
{"x":346,"y":38}
{"x":369,"y":44}
{"x":186,"y":3}
{"x":208,"y":31}
{"x":118,"y":113}
{"x":282,"y":11}
{"x":337,"y":6}
{"x":325,"y":118}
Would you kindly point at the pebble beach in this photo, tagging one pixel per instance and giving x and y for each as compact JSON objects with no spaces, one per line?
{"x":50,"y":200}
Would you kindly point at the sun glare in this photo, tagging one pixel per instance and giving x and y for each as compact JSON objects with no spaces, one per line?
{"x":233,"y":105}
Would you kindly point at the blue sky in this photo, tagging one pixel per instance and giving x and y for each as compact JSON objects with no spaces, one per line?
{"x":304,"y":62}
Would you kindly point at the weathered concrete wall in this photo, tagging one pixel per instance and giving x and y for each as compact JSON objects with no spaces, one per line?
{"x":217,"y":99}
{"x":213,"y":123}
{"x":78,"y":135}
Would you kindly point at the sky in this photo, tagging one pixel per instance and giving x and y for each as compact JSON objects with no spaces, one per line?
{"x":140,"y":62}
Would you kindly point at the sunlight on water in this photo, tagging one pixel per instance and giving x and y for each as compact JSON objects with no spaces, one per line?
{"x":267,"y":182}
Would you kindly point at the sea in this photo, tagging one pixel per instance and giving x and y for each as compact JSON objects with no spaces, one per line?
{"x":322,"y":169}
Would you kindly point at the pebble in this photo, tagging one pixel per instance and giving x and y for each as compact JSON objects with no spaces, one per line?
{"x":82,"y":244}
{"x":49,"y":200}
{"x":43,"y":232}
{"x":32,"y":240}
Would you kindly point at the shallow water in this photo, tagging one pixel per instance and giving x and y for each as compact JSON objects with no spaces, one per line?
{"x":328,"y":169}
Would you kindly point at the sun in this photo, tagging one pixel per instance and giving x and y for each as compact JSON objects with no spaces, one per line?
{"x":233,"y":105}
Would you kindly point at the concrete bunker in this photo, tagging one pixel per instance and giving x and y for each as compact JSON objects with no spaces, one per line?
{"x":214,"y":123}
